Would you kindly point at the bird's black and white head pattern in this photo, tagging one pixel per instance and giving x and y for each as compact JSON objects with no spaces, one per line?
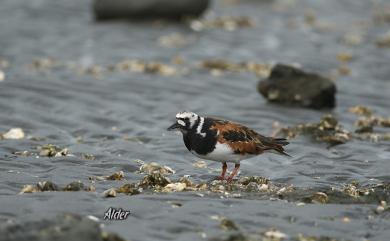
{"x":187,"y":120}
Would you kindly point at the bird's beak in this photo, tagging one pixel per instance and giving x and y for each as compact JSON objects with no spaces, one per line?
{"x":174,"y":127}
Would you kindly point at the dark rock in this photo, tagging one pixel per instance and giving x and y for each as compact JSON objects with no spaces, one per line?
{"x":150,"y":9}
{"x":62,"y":228}
{"x":291,"y":86}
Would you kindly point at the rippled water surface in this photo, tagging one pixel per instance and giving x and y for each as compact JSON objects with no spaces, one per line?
{"x":122,"y":116}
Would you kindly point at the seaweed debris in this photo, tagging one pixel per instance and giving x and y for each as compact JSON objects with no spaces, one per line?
{"x":326,"y":130}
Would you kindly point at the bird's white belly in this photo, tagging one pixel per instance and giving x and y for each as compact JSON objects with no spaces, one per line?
{"x":223,"y":153}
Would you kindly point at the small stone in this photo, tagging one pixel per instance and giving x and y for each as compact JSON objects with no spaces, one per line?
{"x":63,"y":152}
{"x":4,"y":63}
{"x":129,"y":189}
{"x":352,"y":39}
{"x":380,"y":209}
{"x":175,"y":40}
{"x":274,"y":234}
{"x":320,"y":197}
{"x":43,"y":63}
{"x":74,"y":186}
{"x":91,"y":188}
{"x":384,"y":41}
{"x":186,"y":181}
{"x":2,"y":76}
{"x":154,"y":168}
{"x":152,"y":180}
{"x":227,"y":224}
{"x":200,"y":164}
{"x":29,"y":189}
{"x":14,"y":133}
{"x":344,"y":57}
{"x":344,"y":70}
{"x":202,"y":186}
{"x":174,"y":187}
{"x":361,"y":110}
{"x":346,"y":220}
{"x":255,"y":179}
{"x":175,"y":204}
{"x":263,"y":187}
{"x":87,"y":156}
{"x":252,"y":187}
{"x":47,"y":186}
{"x":116,"y":176}
{"x":109,"y":193}
{"x":51,"y":150}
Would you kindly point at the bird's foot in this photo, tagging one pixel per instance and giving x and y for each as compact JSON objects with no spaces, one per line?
{"x":229,"y":180}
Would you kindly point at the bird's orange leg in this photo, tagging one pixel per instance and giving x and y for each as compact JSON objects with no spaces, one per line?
{"x":234,"y":173}
{"x":224,"y":168}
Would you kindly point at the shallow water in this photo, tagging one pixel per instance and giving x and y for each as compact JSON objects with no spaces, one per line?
{"x":60,"y":105}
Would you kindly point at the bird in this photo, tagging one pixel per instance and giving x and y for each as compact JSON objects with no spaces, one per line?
{"x":224,"y":141}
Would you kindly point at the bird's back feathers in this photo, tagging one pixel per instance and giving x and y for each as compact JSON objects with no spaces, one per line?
{"x":244,"y":140}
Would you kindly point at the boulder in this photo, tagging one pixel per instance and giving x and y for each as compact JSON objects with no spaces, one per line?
{"x":150,"y":9}
{"x":291,"y":86}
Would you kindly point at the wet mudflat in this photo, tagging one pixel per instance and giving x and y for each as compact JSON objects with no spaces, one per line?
{"x":104,"y":93}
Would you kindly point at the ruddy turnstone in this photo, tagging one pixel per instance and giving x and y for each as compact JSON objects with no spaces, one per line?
{"x":223,"y":141}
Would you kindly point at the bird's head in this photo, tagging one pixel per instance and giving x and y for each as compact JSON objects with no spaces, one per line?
{"x":185,"y":121}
